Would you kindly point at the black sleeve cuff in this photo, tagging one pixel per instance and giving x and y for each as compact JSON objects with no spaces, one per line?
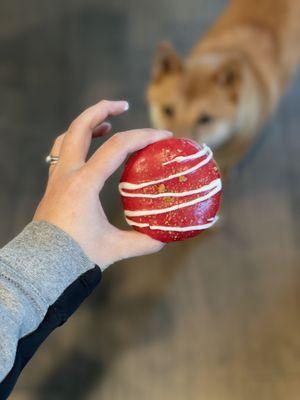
{"x":57,"y":315}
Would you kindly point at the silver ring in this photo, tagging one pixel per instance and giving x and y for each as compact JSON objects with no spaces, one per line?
{"x":52,"y":160}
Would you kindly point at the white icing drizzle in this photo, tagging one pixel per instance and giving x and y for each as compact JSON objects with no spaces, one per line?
{"x":173,"y":228}
{"x":212,"y":188}
{"x":205,"y":188}
{"x":199,"y":154}
{"x":133,"y":186}
{"x":144,"y":213}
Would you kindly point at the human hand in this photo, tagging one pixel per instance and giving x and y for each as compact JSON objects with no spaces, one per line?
{"x":71,"y":200}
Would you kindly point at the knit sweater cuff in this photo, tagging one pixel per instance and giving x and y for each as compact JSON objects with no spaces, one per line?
{"x":42,"y":261}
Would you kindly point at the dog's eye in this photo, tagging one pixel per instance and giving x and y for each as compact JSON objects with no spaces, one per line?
{"x":169,"y":111}
{"x":204,"y":119}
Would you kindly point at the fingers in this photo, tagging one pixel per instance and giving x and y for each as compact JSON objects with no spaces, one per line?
{"x":102,"y":129}
{"x":77,"y":140}
{"x":55,"y":151}
{"x":113,"y":152}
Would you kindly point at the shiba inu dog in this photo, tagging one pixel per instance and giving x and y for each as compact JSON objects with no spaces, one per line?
{"x":232,"y":79}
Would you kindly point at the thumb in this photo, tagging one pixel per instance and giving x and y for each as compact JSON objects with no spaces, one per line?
{"x":115,"y":150}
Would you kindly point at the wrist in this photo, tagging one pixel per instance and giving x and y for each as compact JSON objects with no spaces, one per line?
{"x":46,"y":258}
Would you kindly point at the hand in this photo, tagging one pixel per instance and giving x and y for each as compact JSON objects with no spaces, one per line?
{"x":71,"y":200}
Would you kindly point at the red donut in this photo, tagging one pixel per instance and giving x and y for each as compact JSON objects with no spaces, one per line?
{"x":171,"y":189}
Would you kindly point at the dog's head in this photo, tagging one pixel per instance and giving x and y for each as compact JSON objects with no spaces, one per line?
{"x":199,"y":98}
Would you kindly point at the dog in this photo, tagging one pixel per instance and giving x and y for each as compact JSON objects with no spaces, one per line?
{"x":231,"y":81}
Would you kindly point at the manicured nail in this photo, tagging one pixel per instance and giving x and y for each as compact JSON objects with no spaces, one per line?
{"x":167,"y":133}
{"x":126,"y":106}
{"x":106,"y":125}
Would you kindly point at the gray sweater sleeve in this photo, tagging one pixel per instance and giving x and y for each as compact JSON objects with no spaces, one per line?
{"x":35,"y":268}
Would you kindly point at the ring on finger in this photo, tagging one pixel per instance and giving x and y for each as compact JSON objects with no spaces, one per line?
{"x":51,"y":159}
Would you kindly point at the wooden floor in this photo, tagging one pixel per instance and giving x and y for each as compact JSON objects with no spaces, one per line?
{"x":211,"y":319}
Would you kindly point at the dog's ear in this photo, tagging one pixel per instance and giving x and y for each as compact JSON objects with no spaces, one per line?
{"x":229,"y":73}
{"x":229,"y":76}
{"x":166,"y":61}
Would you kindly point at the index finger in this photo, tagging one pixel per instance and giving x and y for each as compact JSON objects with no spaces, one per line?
{"x":77,"y":140}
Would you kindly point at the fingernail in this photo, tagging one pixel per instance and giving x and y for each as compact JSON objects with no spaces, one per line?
{"x":126,"y":106}
{"x":107,"y":125}
{"x":167,"y":133}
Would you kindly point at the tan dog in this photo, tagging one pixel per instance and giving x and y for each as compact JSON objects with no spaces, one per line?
{"x":232,"y":79}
